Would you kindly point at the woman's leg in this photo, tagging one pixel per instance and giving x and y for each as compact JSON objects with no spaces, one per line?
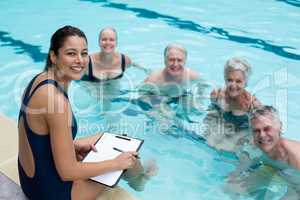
{"x":86,"y":189}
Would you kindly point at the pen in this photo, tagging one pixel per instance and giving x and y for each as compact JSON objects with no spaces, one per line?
{"x":119,"y":150}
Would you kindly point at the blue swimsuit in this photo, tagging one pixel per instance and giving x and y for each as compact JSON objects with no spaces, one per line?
{"x":92,"y":78}
{"x":46,"y":184}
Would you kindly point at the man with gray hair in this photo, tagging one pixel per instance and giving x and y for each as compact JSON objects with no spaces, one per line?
{"x":175,"y":70}
{"x":266,"y":128}
{"x":174,"y":86}
{"x":278,"y":162}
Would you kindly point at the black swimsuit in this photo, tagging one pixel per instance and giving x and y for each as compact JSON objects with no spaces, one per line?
{"x":46,"y":183}
{"x":240,"y":121}
{"x":92,"y":78}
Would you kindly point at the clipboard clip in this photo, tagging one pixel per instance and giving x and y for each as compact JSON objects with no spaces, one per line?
{"x":123,"y":138}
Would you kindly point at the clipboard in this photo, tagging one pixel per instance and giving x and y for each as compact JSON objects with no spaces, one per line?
{"x":108,"y":147}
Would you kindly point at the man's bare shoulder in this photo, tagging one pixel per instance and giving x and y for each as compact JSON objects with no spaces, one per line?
{"x":192,"y":74}
{"x":154,"y":77}
{"x":292,"y":148}
{"x":291,"y":144}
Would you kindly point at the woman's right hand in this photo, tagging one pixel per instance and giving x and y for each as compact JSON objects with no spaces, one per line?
{"x":125,"y":160}
{"x":214,"y":96}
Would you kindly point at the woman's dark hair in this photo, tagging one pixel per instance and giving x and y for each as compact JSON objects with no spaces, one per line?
{"x":58,"y":39}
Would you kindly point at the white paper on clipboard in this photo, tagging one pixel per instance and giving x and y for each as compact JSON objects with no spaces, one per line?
{"x":105,"y":151}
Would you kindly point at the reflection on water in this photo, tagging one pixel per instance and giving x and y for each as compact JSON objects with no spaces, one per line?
{"x":171,"y":109}
{"x":261,"y":184}
{"x":223,"y":134}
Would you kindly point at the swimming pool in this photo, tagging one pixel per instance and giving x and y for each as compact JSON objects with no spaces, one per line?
{"x":266,"y":33}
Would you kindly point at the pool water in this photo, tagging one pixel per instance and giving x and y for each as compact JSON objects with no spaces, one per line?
{"x":266,"y":33}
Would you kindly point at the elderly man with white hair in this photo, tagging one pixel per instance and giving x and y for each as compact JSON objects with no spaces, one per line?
{"x":175,"y":70}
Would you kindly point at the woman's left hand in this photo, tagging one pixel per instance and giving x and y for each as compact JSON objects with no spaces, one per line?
{"x":83,"y":148}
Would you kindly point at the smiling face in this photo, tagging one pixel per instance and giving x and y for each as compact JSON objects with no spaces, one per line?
{"x":266,"y":132}
{"x":175,"y":61}
{"x":235,"y":83}
{"x":72,"y":58}
{"x":108,"y":40}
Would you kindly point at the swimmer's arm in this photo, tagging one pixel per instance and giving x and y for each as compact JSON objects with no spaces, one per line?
{"x":146,"y":70}
{"x":62,"y":145}
{"x":246,"y":164}
{"x":214,"y":96}
{"x":255,"y":102}
{"x":130,"y":63}
{"x":250,"y":157}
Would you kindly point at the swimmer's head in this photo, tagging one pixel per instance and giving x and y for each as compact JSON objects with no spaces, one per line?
{"x":108,"y":39}
{"x":266,"y":111}
{"x":237,"y":64}
{"x":175,"y":46}
{"x":266,"y":127}
{"x":175,"y":57}
{"x":58,"y":40}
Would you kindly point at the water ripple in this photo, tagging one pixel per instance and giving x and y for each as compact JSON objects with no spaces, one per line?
{"x":20,"y":47}
{"x":295,"y":3}
{"x":215,"y":32}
